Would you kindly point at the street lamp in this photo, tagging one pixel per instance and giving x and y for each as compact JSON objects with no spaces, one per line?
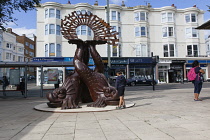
{"x":108,"y":50}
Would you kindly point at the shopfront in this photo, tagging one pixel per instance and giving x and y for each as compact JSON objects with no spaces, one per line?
{"x":135,"y":66}
{"x":176,"y":71}
{"x":204,"y":64}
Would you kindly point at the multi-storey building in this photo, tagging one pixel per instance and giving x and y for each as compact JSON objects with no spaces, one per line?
{"x":10,"y":51}
{"x":143,"y":30}
{"x":29,"y":48}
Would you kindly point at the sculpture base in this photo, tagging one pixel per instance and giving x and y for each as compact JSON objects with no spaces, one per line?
{"x":44,"y":107}
{"x":54,"y":105}
{"x":115,"y":103}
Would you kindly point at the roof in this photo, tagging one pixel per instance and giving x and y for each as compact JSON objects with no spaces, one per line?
{"x":204,"y":26}
{"x":35,"y":64}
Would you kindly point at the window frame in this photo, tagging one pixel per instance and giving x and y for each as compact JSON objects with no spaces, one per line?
{"x":167,"y":50}
{"x":193,"y":52}
{"x":52,"y":50}
{"x":52,"y":12}
{"x":191,"y":18}
{"x":139,"y":33}
{"x":191,"y":32}
{"x":141,"y":50}
{"x":165,"y":17}
{"x":141,"y":16}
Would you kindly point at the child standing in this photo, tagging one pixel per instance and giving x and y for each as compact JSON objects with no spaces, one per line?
{"x":120,"y":86}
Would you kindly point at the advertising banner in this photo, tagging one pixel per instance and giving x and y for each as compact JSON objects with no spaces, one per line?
{"x":52,"y":76}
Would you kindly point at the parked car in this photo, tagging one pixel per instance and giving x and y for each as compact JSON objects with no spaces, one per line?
{"x":31,"y":77}
{"x":139,"y":80}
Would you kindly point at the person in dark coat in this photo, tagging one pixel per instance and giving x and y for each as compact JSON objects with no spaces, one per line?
{"x":22,"y":86}
{"x":120,"y":86}
{"x":5,"y":84}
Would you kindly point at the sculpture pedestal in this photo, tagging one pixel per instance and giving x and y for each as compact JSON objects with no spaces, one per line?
{"x":44,"y":107}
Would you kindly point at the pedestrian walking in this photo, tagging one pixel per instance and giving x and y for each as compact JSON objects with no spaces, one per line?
{"x":198,"y":82}
{"x":120,"y":86}
{"x":5,"y":84}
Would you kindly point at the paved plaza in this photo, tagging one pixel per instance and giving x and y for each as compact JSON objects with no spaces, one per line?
{"x":168,"y":113}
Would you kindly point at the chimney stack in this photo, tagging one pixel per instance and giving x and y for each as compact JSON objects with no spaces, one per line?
{"x":96,"y":3}
{"x":123,"y":4}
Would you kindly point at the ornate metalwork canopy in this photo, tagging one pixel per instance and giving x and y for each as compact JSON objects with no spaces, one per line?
{"x":101,"y":29}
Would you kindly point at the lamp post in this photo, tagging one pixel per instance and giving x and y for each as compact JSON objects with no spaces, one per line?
{"x":108,"y":49}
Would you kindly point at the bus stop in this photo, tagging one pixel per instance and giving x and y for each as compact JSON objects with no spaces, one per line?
{"x":26,"y":65}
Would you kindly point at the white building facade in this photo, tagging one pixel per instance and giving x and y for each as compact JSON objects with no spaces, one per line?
{"x":10,"y":51}
{"x":167,"y":32}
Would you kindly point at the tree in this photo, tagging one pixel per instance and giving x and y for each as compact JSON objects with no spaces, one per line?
{"x":7,"y":8}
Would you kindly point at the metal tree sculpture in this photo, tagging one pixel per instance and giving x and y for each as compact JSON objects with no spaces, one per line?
{"x":101,"y":29}
{"x":84,"y":81}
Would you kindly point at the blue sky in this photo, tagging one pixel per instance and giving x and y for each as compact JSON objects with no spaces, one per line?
{"x":26,"y":23}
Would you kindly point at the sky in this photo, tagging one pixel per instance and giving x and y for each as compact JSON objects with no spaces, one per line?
{"x":26,"y":23}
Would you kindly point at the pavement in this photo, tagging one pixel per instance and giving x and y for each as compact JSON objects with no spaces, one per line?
{"x":168,"y":113}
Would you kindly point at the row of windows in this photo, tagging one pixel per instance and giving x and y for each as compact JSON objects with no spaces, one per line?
{"x":115,"y":15}
{"x":31,"y":46}
{"x":52,"y":29}
{"x":166,"y":32}
{"x":30,"y":53}
{"x":165,"y":17}
{"x":9,"y":56}
{"x":169,"y":50}
{"x":139,"y":31}
{"x":83,"y":30}
{"x":52,"y":13}
{"x":52,"y":50}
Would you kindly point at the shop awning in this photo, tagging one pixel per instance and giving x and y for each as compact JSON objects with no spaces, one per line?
{"x":204,"y":26}
{"x":35,"y":64}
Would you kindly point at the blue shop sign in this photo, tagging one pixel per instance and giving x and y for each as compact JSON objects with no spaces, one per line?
{"x":47,"y":59}
{"x":119,"y":61}
{"x":58,"y":59}
{"x":200,"y":61}
{"x":72,"y":68}
{"x":68,"y":59}
{"x":201,"y":65}
{"x":140,"y":60}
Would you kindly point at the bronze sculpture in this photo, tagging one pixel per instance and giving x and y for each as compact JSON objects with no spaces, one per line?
{"x":84,"y":84}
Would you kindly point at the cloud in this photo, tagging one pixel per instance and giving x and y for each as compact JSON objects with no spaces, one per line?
{"x":10,"y":24}
{"x":117,"y":1}
{"x":23,"y":30}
